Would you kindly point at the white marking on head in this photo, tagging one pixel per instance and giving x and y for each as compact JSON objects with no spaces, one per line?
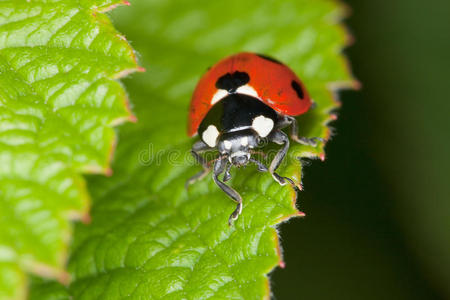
{"x":262,"y":125}
{"x":239,"y":153}
{"x":244,"y":141}
{"x":227,"y":144}
{"x":210,"y":135}
{"x":247,"y":90}
{"x":218,"y":96}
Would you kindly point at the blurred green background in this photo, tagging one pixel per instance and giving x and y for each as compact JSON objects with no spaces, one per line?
{"x":378,"y":209}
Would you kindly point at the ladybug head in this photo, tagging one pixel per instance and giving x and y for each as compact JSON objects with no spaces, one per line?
{"x":237,"y":144}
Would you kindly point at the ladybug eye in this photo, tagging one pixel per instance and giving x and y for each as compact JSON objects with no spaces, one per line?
{"x":298,"y":89}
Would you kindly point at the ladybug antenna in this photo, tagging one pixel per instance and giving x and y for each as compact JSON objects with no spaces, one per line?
{"x":254,"y":152}
{"x":223,"y":156}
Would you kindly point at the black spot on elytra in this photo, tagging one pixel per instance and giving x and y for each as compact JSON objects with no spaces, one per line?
{"x":298,"y":89}
{"x":270,"y":59}
{"x":231,"y":82}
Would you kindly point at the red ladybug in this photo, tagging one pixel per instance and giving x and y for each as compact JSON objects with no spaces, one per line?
{"x":242,"y":100}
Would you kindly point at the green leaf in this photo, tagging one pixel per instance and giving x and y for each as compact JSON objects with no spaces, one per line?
{"x":47,"y":290}
{"x":58,"y":103}
{"x":150,"y":238}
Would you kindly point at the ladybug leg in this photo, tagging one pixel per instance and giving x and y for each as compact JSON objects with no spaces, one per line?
{"x":197,"y":148}
{"x":227,"y":175}
{"x":261,"y":166}
{"x":279,"y":138}
{"x":301,"y":140}
{"x":219,"y":167}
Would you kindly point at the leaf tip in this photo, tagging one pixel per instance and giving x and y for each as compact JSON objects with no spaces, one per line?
{"x":322,"y":156}
{"x":48,"y":271}
{"x":353,"y":84}
{"x":345,"y":9}
{"x":108,"y":172}
{"x":279,"y":251}
{"x":356,"y":84}
{"x":132,"y":118}
{"x":112,"y":6}
{"x":86,"y":218}
{"x":64,"y":278}
{"x":124,"y":73}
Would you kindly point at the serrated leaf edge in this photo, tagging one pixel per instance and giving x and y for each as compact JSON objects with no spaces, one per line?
{"x":333,"y":89}
{"x":61,"y":274}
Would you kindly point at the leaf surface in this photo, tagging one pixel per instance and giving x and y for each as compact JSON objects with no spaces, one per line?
{"x":58,"y":103}
{"x":150,"y":237}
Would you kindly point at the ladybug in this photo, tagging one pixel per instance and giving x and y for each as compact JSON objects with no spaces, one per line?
{"x":238,"y":103}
